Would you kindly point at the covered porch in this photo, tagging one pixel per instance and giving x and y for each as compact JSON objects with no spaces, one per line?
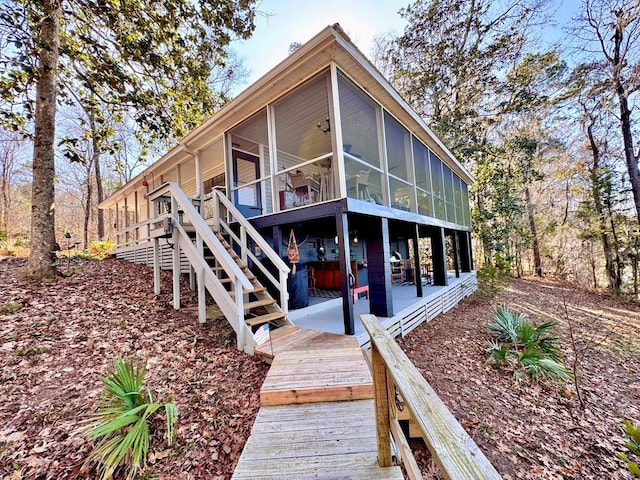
{"x":325,"y":314}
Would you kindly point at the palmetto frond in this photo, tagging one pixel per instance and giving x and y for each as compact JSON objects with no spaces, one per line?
{"x":530,"y":350}
{"x":121,"y":424}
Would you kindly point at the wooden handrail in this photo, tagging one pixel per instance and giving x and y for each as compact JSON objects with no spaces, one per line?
{"x":453,"y":450}
{"x":281,"y":267}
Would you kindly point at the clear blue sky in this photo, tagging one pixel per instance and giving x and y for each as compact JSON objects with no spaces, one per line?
{"x":288,"y":21}
{"x":298,"y":20}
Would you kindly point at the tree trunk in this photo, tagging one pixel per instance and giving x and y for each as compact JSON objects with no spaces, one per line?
{"x":618,"y":266}
{"x":43,"y":240}
{"x":537,"y":261}
{"x":631,"y":159}
{"x":617,"y":62}
{"x":97,"y":153}
{"x":99,"y":194}
{"x":612,"y":275}
{"x":87,"y":207}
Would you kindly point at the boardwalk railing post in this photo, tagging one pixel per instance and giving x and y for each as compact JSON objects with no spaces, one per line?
{"x":381,"y":397}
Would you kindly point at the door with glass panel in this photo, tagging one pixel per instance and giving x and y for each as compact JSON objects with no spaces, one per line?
{"x":247,"y":195}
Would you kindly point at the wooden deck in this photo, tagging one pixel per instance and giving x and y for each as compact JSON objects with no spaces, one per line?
{"x":291,"y":338}
{"x":317,"y":418}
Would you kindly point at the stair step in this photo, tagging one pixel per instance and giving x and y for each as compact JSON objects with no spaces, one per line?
{"x":270,"y":317}
{"x":309,"y":376}
{"x":213,"y":257}
{"x":259,"y":303}
{"x":255,"y":290}
{"x":284,"y":331}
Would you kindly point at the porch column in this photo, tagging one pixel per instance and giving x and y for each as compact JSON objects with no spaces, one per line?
{"x":379,"y":267}
{"x":456,"y":253}
{"x":465,"y":252}
{"x":199,"y":182}
{"x":417,"y":272}
{"x":277,"y":240}
{"x":438,"y":246}
{"x":344,"y":257}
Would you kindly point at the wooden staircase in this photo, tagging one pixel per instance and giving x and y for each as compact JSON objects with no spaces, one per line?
{"x":260,"y":308}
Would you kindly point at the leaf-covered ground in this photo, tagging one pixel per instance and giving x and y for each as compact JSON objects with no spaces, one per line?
{"x":57,"y":339}
{"x":65,"y":335}
{"x":539,"y":431}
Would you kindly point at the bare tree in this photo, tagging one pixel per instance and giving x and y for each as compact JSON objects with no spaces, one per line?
{"x":9,"y":146}
{"x":610,"y":32}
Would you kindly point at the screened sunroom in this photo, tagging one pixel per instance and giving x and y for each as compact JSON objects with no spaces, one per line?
{"x":358,"y":150}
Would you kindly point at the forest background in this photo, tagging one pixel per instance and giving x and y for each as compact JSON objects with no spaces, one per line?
{"x":548,"y":131}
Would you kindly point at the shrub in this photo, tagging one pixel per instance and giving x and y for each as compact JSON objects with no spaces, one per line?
{"x":121,"y":425}
{"x":14,"y":247}
{"x":9,"y":308}
{"x":101,"y":249}
{"x":633,"y":435}
{"x":528,"y":350}
{"x":492,"y":280}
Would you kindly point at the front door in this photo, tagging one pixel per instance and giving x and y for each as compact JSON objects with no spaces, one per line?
{"x":247,"y":194}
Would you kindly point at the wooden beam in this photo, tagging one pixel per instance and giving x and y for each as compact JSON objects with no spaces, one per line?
{"x":344,"y":258}
{"x":379,"y":373}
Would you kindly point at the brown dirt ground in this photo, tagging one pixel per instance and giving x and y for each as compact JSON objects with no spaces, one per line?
{"x":529,"y":430}
{"x":67,"y":333}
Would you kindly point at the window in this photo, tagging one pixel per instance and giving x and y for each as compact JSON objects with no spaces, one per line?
{"x":447,"y":177}
{"x":423,"y":178}
{"x":465,"y":205}
{"x":359,"y":117}
{"x":398,"y":148}
{"x":457,"y":189}
{"x":302,"y":123}
{"x":438,"y":187}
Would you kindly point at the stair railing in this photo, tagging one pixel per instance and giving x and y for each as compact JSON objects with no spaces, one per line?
{"x":222,"y":222}
{"x":397,"y":382}
{"x":231,"y":303}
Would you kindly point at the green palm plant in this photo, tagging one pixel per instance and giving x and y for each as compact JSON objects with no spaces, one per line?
{"x":633,"y":435}
{"x":529,"y":350}
{"x":121,"y":424}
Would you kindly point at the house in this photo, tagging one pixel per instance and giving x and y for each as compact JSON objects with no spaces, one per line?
{"x":321,"y":150}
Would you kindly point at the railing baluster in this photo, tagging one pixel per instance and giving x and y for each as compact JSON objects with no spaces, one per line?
{"x":381,"y":396}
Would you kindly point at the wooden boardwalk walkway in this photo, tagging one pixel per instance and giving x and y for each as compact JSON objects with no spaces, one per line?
{"x":317,"y":418}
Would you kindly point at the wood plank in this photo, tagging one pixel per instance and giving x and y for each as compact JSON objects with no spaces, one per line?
{"x":317,"y":394}
{"x":320,"y":440}
{"x":451,"y":447}
{"x":405,"y":453}
{"x":316,"y":376}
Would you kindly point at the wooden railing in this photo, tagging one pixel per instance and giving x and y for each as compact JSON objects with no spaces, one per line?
{"x":229,"y":302}
{"x":452,"y":449}
{"x":225,"y":215}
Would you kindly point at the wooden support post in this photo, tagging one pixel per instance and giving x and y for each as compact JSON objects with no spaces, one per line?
{"x":381,"y":397}
{"x":342,"y":228}
{"x":466,"y":262}
{"x":176,"y":256}
{"x":202,"y":305}
{"x":156,"y":266}
{"x":456,"y":253}
{"x":439,"y":255}
{"x":379,"y":268}
{"x":417,"y":267}
{"x":243,"y":245}
{"x":240,"y":310}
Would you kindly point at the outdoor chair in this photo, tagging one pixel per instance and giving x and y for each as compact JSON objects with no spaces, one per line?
{"x":305,"y":188}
